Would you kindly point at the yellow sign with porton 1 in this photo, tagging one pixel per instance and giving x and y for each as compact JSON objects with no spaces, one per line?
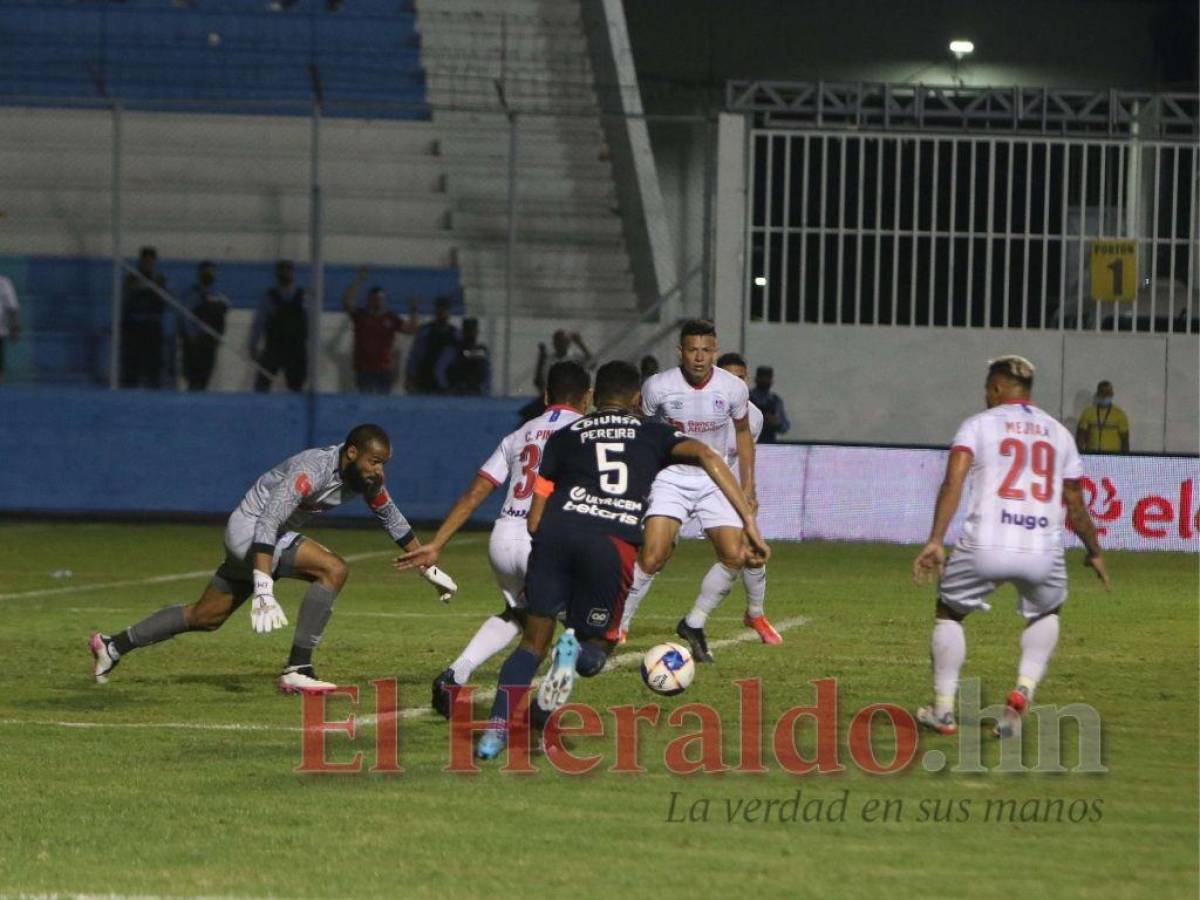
{"x":1114,"y":269}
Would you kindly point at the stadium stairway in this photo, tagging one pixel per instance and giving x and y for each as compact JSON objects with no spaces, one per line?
{"x":571,"y":259}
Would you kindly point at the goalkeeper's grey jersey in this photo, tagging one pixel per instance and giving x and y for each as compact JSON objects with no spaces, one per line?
{"x":287,"y":496}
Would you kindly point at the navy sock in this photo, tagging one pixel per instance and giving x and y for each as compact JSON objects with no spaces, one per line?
{"x":518,"y":671}
{"x":591,"y":659}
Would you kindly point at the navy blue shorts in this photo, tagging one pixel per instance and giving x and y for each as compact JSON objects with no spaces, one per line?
{"x":584,"y":574}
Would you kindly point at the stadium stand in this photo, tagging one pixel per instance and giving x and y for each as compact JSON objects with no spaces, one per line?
{"x":572,"y":259}
{"x":144,"y":50}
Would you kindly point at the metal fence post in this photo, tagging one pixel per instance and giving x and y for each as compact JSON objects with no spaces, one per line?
{"x":114,"y":362}
{"x":316,"y":299}
{"x":510,"y":251}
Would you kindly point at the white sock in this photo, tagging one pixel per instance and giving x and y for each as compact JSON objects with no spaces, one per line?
{"x":1037,"y":646}
{"x":948,"y":648}
{"x":756,"y":589}
{"x":493,"y":636}
{"x":637,"y":593}
{"x":717,"y":583}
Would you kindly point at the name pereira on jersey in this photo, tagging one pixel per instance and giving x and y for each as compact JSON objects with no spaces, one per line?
{"x":612,"y":509}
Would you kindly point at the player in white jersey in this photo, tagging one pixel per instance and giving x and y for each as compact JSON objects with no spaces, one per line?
{"x":1022,"y":466}
{"x":263,"y":543}
{"x":712,"y":406}
{"x":754,"y":572}
{"x":515,"y":459}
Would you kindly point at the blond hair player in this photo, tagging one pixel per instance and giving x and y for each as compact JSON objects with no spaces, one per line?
{"x":1022,"y":465}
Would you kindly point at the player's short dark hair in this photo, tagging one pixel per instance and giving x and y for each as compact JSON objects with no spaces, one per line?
{"x":731,"y":359}
{"x":694,"y":327}
{"x":362,"y":436}
{"x":567,"y":382}
{"x":1016,"y":369}
{"x":617,"y":381}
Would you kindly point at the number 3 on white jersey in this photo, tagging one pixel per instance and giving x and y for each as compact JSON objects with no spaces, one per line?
{"x":614,"y":474}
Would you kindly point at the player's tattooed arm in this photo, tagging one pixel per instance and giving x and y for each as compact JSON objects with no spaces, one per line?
{"x":933,"y":555}
{"x":1081,"y":522}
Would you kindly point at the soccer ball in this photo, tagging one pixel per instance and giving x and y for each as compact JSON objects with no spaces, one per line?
{"x":668,"y":669}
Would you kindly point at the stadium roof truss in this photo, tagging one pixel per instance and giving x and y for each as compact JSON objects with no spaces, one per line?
{"x":909,"y":107}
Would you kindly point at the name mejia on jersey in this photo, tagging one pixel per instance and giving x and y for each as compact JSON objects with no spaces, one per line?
{"x":601,"y":468}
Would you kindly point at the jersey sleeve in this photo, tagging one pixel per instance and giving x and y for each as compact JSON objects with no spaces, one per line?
{"x":967,"y":437}
{"x":389,"y":516}
{"x":300,"y":479}
{"x":1072,"y":462}
{"x":496,"y":469}
{"x":650,"y":397}
{"x":739,"y":400}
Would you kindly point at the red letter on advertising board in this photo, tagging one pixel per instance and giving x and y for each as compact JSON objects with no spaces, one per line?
{"x":1185,"y":510}
{"x":1151,"y":511}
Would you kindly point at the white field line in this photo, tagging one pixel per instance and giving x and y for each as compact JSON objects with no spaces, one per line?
{"x":621,"y":661}
{"x":178,"y":576}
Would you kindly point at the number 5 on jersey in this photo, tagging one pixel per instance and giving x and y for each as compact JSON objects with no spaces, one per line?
{"x":614,"y":474}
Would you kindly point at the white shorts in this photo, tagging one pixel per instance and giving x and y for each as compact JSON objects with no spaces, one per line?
{"x":700,"y":498}
{"x":508,"y":551}
{"x":971,"y":574}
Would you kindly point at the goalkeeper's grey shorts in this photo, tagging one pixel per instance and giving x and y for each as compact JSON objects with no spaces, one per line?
{"x":239,"y":566}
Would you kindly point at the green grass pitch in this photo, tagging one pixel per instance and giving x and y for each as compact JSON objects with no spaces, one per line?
{"x":177,"y":778}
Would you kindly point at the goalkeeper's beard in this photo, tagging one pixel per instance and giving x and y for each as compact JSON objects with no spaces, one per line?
{"x":358,"y":482}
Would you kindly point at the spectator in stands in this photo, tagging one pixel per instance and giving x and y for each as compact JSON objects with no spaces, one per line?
{"x":1103,"y":426}
{"x":142,"y":324}
{"x":375,"y":330}
{"x":281,"y":324}
{"x":770,"y":404}
{"x":431,"y":341}
{"x":467,"y":367}
{"x":649,"y":366}
{"x":562,"y":341}
{"x":10,"y":318}
{"x":199,"y":347}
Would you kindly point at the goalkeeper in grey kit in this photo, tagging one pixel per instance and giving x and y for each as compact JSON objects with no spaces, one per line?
{"x":263,"y":542}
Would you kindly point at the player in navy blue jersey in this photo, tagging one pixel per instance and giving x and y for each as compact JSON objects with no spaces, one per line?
{"x":586,"y":520}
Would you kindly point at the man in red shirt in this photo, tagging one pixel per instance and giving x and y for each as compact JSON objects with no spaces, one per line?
{"x":375,"y":330}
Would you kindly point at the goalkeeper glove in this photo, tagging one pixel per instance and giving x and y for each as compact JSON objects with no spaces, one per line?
{"x":265,"y":612}
{"x":445,"y":585}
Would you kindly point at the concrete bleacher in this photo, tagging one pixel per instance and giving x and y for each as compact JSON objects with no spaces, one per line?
{"x":150,"y":52}
{"x":571,"y":259}
{"x":199,"y":178}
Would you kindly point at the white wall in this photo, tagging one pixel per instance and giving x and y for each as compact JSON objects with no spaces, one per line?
{"x":915,"y":385}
